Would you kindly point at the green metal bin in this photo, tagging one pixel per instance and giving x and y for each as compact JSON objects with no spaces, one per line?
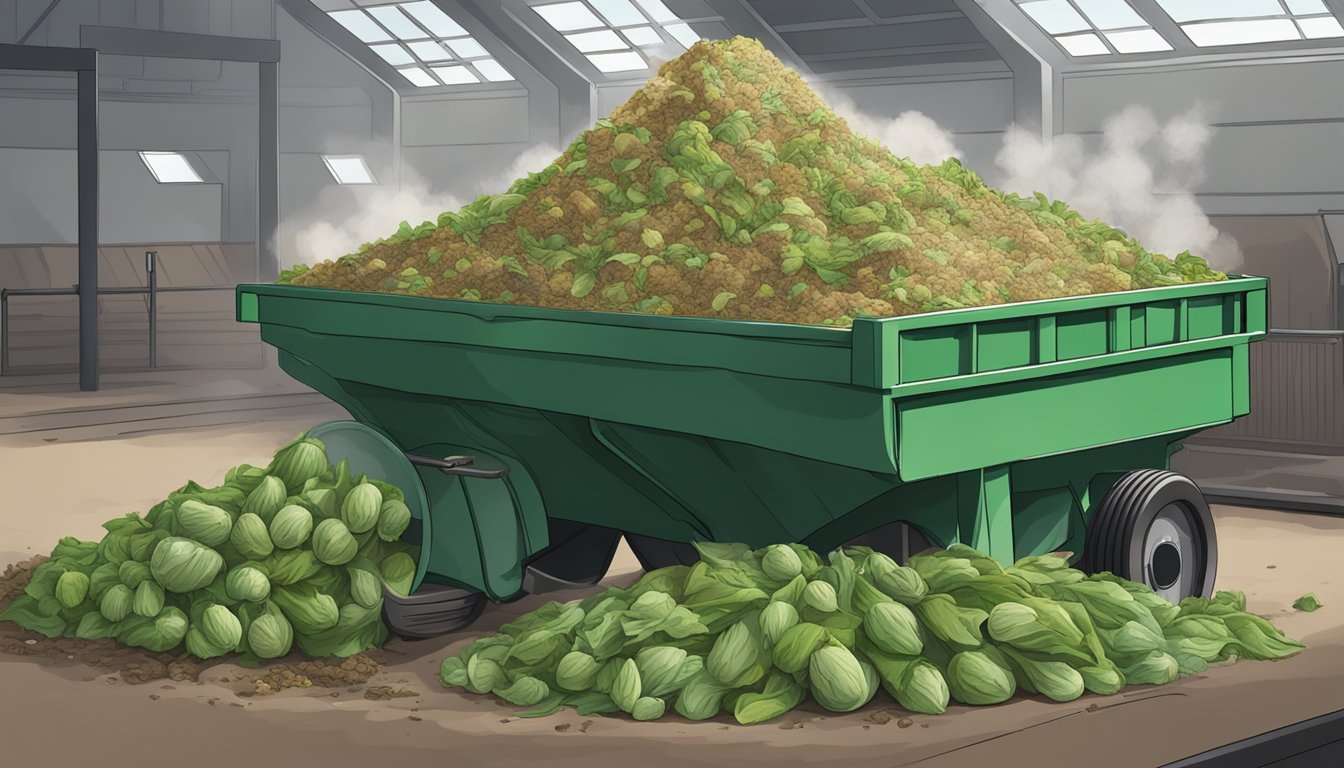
{"x":1001,"y":427}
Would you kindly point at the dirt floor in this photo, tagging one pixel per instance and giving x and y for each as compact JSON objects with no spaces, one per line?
{"x":70,"y":703}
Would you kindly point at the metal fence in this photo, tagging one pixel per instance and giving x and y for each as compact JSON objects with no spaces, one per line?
{"x":150,"y":289}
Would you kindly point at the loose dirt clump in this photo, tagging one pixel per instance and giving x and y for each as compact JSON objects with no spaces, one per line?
{"x":386,"y":692}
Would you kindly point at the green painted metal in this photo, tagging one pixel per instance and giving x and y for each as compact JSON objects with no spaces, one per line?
{"x":997,"y":426}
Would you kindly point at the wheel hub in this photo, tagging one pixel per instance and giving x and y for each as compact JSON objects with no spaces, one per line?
{"x":1170,"y":553}
{"x":1166,"y":565}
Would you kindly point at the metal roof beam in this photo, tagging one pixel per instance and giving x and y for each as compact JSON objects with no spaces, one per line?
{"x":1035,"y":92}
{"x":1165,"y":26}
{"x":742,"y":19}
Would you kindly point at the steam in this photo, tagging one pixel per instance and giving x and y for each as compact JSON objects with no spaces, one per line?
{"x":311,"y":236}
{"x":911,"y":134}
{"x":343,"y":218}
{"x":1140,"y":179}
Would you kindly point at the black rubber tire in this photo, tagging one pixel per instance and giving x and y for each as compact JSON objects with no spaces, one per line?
{"x":660,"y":553}
{"x":434,"y":610}
{"x":1128,"y":534}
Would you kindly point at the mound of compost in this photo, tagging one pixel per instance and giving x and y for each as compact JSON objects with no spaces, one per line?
{"x":726,"y":188}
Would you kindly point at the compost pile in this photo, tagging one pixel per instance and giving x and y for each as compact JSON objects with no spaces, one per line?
{"x":295,"y":553}
{"x":725,"y":187}
{"x":753,"y":633}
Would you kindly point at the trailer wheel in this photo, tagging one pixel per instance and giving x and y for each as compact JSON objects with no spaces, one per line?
{"x":1154,"y":527}
{"x":434,"y":609}
{"x":660,"y":553}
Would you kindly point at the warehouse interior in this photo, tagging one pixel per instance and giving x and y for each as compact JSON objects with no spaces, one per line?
{"x":156,"y":154}
{"x":236,"y":138}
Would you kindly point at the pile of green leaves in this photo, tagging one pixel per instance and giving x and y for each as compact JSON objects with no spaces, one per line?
{"x":294,"y":553}
{"x":753,"y":633}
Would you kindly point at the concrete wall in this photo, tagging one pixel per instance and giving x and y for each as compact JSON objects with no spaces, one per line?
{"x":976,"y":111}
{"x":1279,"y":126}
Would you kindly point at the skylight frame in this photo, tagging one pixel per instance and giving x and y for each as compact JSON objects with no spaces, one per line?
{"x":1264,"y":22}
{"x":1073,"y":40}
{"x":630,"y":21}
{"x":419,"y":40}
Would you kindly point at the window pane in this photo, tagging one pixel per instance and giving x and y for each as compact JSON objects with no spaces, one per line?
{"x":657,"y":11}
{"x":492,"y":70}
{"x":467,"y":48}
{"x":642,"y":36}
{"x":627,"y":61}
{"x":1195,"y":10}
{"x":605,"y":40}
{"x":418,"y":77}
{"x":361,"y":26}
{"x":1241,"y":32}
{"x":1307,"y":7}
{"x":170,"y":167}
{"x":567,"y":17}
{"x":455,"y":75}
{"x":348,"y":169}
{"x":393,"y":54}
{"x":1138,"y":41}
{"x":435,"y":20}
{"x":683,"y":33}
{"x":430,"y":50}
{"x":1055,"y":16}
{"x":1110,"y":14}
{"x":397,"y":23}
{"x":1083,"y":45}
{"x":1324,"y":26}
{"x":618,"y":13}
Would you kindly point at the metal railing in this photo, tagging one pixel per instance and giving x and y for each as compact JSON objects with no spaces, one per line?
{"x":150,"y":289}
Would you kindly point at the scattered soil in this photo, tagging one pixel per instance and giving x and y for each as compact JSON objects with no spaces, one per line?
{"x":138,"y":666}
{"x":385,"y":692}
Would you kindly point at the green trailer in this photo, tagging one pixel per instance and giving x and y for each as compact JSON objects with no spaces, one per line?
{"x":531,"y":439}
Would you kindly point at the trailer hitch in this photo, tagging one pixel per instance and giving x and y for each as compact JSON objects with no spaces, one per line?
{"x":461,"y":466}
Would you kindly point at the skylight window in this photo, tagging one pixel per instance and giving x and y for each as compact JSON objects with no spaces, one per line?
{"x":1322,"y":26}
{"x":1241,"y":22}
{"x":1241,"y":32}
{"x":601,"y":40}
{"x":607,"y":32}
{"x":393,"y":54}
{"x":433,"y":41}
{"x":567,"y":17}
{"x":1083,"y":45}
{"x":170,"y":168}
{"x":1203,"y":10}
{"x":430,"y":50}
{"x":1106,"y":26}
{"x":396,"y":22}
{"x":455,"y":75}
{"x":1306,"y":7}
{"x":348,"y":169}
{"x":418,"y":77}
{"x":643,"y":36}
{"x":658,"y":11}
{"x":361,"y":26}
{"x":626,"y":61}
{"x":467,"y":48}
{"x":492,"y":70}
{"x":435,"y":20}
{"x":1110,"y":14}
{"x":1055,"y":16}
{"x":618,"y":13}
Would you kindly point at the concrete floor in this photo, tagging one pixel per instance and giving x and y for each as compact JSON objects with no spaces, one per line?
{"x":65,"y":477}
